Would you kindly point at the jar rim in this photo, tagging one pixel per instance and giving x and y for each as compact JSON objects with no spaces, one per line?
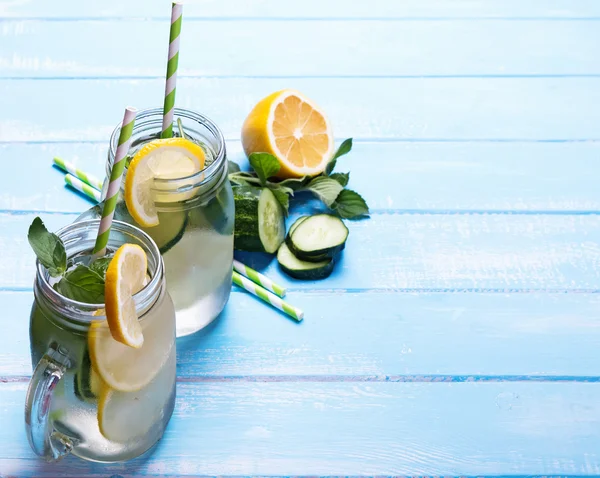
{"x":153,"y":116}
{"x":143,"y":299}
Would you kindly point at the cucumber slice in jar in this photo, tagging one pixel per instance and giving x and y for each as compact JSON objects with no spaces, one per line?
{"x":259,"y":220}
{"x":318,"y":238}
{"x":169,"y":231}
{"x":298,"y":269}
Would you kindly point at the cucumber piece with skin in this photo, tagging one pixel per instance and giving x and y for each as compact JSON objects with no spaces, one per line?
{"x":318,"y":238}
{"x":297,"y":222}
{"x":169,"y":230}
{"x":259,"y":220}
{"x":298,"y":269}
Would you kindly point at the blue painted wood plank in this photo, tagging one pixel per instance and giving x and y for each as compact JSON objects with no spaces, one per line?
{"x":350,"y":429}
{"x":412,"y":109}
{"x":408,"y":176}
{"x":409,"y":9}
{"x":303,"y":48}
{"x":412,"y":252}
{"x":368,"y":336}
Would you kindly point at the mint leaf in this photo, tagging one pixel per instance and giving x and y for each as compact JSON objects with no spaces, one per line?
{"x":341,"y":178}
{"x":326,"y":189}
{"x":344,"y":148}
{"x":83,"y":285}
{"x":100,"y":265}
{"x":265,"y":165}
{"x":282,"y":198}
{"x":244,"y":179}
{"x":295,"y":183}
{"x":350,"y":205}
{"x":48,"y":248}
{"x":232,"y":167}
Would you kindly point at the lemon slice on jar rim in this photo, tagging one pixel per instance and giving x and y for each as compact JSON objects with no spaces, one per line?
{"x":169,"y":158}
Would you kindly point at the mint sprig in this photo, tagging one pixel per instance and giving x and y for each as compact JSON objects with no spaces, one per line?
{"x":328,"y":186}
{"x":48,"y":248}
{"x":83,"y":283}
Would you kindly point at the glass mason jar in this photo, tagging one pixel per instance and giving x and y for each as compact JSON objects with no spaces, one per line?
{"x":89,"y":394}
{"x":196,"y":219}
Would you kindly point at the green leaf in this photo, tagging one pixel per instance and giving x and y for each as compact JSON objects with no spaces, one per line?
{"x":265,"y":165}
{"x":326,"y":189}
{"x":232,"y":167}
{"x":244,"y":179}
{"x":350,"y":205}
{"x":283,"y":199}
{"x":279,"y":187}
{"x":344,"y":148}
{"x":100,"y":265}
{"x":341,"y":178}
{"x":48,"y":248}
{"x":82,"y":284}
{"x":295,"y":183}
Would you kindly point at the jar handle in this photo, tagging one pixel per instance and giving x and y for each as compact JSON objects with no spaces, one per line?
{"x":43,"y":438}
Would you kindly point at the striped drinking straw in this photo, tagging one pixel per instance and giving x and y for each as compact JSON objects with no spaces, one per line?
{"x":267,"y":296}
{"x":78,"y":173}
{"x":259,"y":278}
{"x":114,"y":186}
{"x":82,"y":187}
{"x":167,"y":126}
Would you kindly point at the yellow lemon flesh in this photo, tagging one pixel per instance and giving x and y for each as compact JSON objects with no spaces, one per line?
{"x":293,"y":129}
{"x":170,"y":158}
{"x":125,"y":275}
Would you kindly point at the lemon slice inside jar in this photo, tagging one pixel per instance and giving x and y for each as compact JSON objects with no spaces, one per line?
{"x":170,"y":158}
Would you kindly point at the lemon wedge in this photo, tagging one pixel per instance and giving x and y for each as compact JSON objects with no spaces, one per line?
{"x":125,"y":276}
{"x":293,"y":129}
{"x":169,"y":158}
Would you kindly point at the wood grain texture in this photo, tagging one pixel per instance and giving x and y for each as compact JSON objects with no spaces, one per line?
{"x":290,"y":9}
{"x":411,"y":109}
{"x":374,"y":337}
{"x":439,"y":177}
{"x":411,"y":252}
{"x":462,"y":429}
{"x":304,"y":48}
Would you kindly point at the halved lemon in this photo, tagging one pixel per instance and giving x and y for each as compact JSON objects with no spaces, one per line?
{"x":170,"y":158}
{"x":125,"y":275}
{"x":293,"y":129}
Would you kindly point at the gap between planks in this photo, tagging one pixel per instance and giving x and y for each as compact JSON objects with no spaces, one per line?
{"x":364,"y":378}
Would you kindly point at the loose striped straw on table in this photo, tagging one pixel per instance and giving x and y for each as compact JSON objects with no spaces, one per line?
{"x":173,"y":61}
{"x":82,"y":187}
{"x":78,"y":173}
{"x":259,"y":278}
{"x":267,"y":296}
{"x":116,"y":174}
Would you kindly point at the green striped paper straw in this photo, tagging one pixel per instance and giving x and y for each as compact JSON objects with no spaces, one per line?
{"x":267,"y":296}
{"x":114,"y":186}
{"x":259,"y":278}
{"x":173,"y":61}
{"x":82,"y":187}
{"x":78,"y":173}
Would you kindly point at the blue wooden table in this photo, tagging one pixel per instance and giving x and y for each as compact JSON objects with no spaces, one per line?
{"x":460,"y":335}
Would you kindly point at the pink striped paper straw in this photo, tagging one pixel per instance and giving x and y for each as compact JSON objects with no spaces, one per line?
{"x":114,"y":186}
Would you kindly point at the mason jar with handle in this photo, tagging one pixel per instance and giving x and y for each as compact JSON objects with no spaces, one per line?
{"x":196,"y":219}
{"x":89,"y":394}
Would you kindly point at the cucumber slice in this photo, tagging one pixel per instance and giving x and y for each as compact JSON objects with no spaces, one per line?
{"x":169,"y":231}
{"x":87,"y":382}
{"x":297,"y":222}
{"x":259,"y":220}
{"x":294,"y":267}
{"x":317,"y":238}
